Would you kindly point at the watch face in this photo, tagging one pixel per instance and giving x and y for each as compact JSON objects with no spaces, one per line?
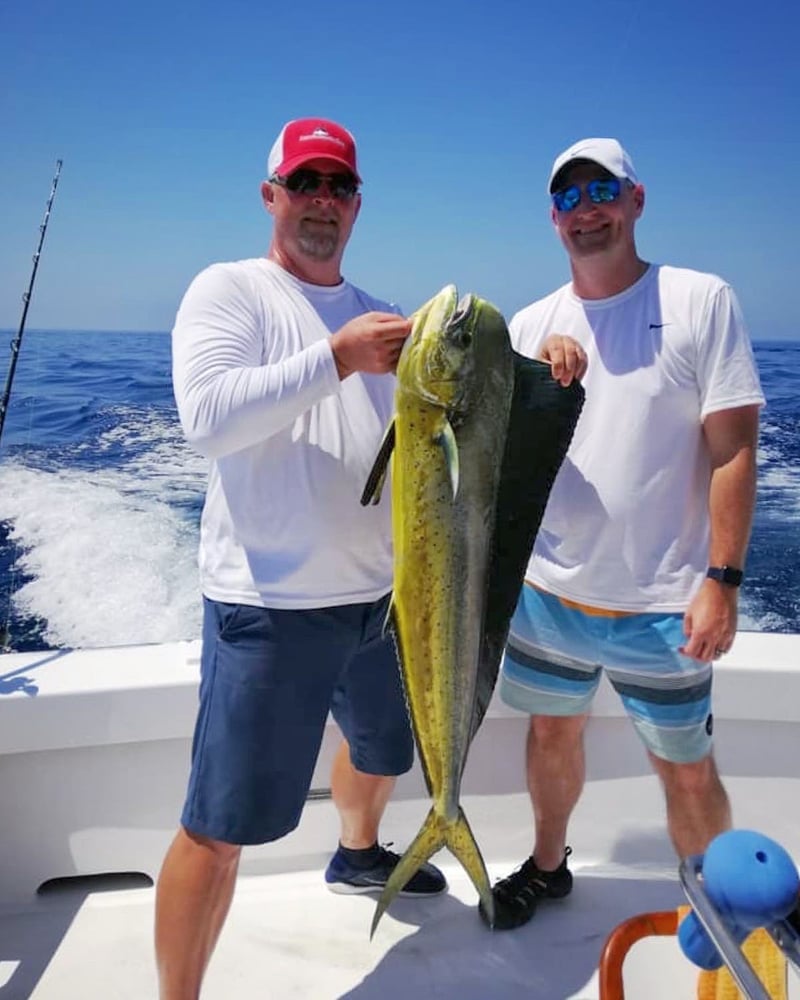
{"x":726,"y":574}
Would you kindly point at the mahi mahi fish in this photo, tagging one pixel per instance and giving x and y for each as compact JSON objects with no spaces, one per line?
{"x":478,"y":435}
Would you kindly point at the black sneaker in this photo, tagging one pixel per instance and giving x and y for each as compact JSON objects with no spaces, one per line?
{"x":516,"y":897}
{"x":344,"y":877}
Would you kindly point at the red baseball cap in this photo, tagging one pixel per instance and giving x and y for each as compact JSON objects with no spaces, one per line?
{"x":307,"y":139}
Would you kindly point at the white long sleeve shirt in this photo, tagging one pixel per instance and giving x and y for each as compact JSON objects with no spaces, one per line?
{"x":290,"y":445}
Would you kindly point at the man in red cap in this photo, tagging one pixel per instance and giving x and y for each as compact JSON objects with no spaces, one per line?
{"x":283,"y":378}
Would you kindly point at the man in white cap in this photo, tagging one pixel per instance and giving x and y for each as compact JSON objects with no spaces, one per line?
{"x":636,"y":568}
{"x":283,"y":378}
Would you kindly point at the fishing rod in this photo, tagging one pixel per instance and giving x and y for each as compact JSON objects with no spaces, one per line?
{"x":16,"y":343}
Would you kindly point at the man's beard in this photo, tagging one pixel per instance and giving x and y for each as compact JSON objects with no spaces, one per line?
{"x":316,"y":244}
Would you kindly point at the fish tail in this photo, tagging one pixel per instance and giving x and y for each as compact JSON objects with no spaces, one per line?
{"x":437,"y":832}
{"x":460,"y":840}
{"x":431,"y":837}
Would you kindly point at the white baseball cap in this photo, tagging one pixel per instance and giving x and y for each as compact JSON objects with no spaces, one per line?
{"x":608,"y":153}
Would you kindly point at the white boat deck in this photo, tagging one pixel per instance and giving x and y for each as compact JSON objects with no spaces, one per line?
{"x":287,"y":936}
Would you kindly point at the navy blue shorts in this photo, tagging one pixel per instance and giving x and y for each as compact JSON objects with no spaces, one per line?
{"x":267,"y":681}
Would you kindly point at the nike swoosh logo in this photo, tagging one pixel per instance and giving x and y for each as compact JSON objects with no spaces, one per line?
{"x":657,"y":326}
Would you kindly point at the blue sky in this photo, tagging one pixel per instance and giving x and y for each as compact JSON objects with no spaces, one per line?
{"x":164,"y":114}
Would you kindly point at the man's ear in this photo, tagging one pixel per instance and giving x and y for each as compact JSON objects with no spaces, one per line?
{"x":268,"y":196}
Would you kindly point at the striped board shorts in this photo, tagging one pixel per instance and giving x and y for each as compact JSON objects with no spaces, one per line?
{"x":557,"y":651}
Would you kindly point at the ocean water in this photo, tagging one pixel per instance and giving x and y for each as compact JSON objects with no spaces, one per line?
{"x":100,"y":496}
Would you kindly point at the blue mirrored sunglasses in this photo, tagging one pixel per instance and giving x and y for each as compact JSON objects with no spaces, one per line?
{"x":304,"y":181}
{"x":600,"y":192}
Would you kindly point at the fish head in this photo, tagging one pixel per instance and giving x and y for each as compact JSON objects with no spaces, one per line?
{"x":452,"y":344}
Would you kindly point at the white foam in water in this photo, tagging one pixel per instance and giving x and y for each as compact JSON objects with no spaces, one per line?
{"x":784,"y":483}
{"x":159,"y":462}
{"x":110,"y":565}
{"x":778,"y":483}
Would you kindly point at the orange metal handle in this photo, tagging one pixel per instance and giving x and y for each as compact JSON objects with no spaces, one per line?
{"x":619,"y":942}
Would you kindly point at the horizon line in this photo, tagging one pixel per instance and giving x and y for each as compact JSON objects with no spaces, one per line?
{"x":89,"y":329}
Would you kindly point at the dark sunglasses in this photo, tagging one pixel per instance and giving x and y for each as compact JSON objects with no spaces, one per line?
{"x":600,"y":192}
{"x":343,"y":187}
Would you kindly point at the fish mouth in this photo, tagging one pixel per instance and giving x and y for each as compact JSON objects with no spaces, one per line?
{"x":457,"y":331}
{"x":458,"y":328}
{"x":462,"y":312}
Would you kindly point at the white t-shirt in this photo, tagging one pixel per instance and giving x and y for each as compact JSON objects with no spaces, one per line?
{"x":626,"y":526}
{"x":290,"y":444}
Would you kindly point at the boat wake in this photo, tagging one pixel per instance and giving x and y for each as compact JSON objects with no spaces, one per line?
{"x":104,"y":554}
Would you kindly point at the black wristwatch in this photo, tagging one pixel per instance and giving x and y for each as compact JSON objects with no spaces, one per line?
{"x":725,"y":574}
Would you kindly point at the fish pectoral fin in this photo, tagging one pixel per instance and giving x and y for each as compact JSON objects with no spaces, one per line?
{"x":446,"y":439}
{"x":390,"y":623}
{"x":377,"y":476}
{"x":428,"y":841}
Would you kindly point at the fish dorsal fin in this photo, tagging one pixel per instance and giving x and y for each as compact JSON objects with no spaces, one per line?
{"x":377,"y":476}
{"x":446,"y":439}
{"x":540,"y":427}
